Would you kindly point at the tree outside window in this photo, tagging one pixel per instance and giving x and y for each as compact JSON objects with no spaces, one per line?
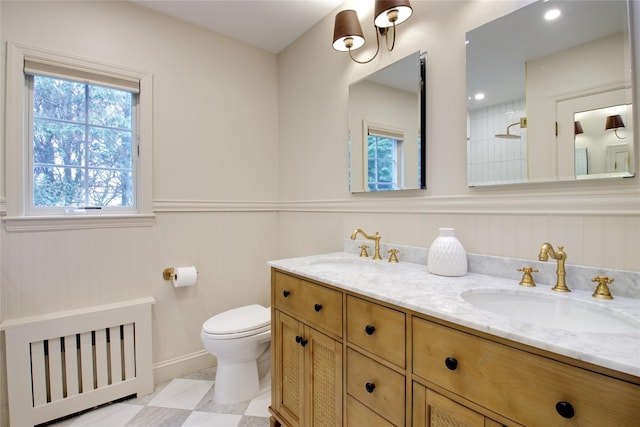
{"x":382,"y":162}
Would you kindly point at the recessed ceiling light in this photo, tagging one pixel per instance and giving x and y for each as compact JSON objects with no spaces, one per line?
{"x":552,"y":14}
{"x":479,"y":96}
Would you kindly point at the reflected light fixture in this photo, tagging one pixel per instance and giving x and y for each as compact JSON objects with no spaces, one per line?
{"x":577,"y":128}
{"x":552,"y":14}
{"x":348,"y":35}
{"x":614,"y":122}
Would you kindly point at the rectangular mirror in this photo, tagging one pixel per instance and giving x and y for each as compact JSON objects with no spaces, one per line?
{"x":531,"y":81}
{"x":387,"y":128}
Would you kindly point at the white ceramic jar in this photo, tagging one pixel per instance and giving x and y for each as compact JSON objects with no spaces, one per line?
{"x":447,"y":256}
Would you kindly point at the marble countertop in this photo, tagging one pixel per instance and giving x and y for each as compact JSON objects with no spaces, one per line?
{"x":411,"y":286}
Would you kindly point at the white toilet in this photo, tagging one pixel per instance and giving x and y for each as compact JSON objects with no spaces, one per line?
{"x":240,"y":339}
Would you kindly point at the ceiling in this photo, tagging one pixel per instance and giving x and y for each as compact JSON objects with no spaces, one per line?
{"x":267,"y":24}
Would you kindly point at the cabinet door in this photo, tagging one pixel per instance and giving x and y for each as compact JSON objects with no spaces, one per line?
{"x":288,"y":377}
{"x":323,"y":380}
{"x":431,"y":409}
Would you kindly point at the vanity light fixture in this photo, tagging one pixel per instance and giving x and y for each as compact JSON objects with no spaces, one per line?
{"x":614,"y":122}
{"x":577,"y":128}
{"x":348,"y":35}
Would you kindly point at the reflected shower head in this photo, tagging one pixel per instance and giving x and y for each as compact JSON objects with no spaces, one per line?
{"x":508,"y":135}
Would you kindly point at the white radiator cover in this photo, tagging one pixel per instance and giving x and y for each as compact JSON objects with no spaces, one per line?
{"x":65,"y":362}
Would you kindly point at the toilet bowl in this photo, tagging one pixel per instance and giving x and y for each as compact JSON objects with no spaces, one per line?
{"x":240,"y":340}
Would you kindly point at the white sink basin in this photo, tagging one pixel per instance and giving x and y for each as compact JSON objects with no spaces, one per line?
{"x":554,"y":311}
{"x":347,"y":265}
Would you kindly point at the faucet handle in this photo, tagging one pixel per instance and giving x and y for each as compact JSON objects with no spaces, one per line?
{"x":602,"y":290}
{"x":527,"y":278}
{"x":394,"y":255}
{"x":363,"y":251}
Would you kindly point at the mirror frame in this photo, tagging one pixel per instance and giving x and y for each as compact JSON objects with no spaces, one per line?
{"x":422,"y":122}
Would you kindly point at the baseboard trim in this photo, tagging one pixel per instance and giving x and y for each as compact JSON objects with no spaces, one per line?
{"x":183,"y":365}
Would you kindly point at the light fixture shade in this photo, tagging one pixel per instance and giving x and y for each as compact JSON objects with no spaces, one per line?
{"x":347,"y":32}
{"x":614,"y":122}
{"x":382,"y":17}
{"x":577,"y":128}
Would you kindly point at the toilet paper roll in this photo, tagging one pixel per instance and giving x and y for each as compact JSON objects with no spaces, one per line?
{"x":185,"y":276}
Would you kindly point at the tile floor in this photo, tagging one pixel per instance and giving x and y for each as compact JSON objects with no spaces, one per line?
{"x":181,"y":402}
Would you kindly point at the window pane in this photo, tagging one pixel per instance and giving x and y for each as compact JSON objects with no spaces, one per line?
{"x":59,"y":99}
{"x":381,"y":163}
{"x":110,"y":107}
{"x":385,"y":171}
{"x":58,"y":186}
{"x":385,"y":148}
{"x":109,"y":148}
{"x":108,"y":187}
{"x":57,"y":143}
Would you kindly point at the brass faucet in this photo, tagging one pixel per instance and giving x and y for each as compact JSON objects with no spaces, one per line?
{"x":560,"y":256}
{"x":375,"y":238}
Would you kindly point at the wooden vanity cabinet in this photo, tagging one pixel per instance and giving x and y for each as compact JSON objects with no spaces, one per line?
{"x":306,"y":360}
{"x":339,"y":358}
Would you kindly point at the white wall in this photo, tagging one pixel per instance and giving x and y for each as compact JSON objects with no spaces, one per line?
{"x":215,"y":179}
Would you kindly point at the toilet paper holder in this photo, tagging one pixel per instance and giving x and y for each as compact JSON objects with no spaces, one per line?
{"x":168,"y":273}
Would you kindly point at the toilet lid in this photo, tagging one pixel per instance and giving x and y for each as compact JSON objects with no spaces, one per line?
{"x":239,"y":320}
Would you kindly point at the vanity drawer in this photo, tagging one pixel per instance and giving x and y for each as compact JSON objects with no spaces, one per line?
{"x":360,"y":415}
{"x":379,"y":388}
{"x":519,"y":385}
{"x":311,"y":303}
{"x":377,"y":329}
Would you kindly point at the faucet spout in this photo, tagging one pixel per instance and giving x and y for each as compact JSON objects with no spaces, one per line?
{"x":376,"y":238}
{"x":546,"y":251}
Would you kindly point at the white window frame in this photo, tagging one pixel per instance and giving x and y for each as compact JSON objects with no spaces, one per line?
{"x":18,"y":217}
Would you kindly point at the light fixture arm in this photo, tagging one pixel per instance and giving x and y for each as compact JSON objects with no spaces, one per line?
{"x":385,"y":33}
{"x":619,"y":137}
{"x":374,"y":55}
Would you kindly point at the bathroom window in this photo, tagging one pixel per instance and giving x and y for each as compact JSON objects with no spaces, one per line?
{"x":78,"y":142}
{"x":384,"y":157}
{"x":83,"y":148}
